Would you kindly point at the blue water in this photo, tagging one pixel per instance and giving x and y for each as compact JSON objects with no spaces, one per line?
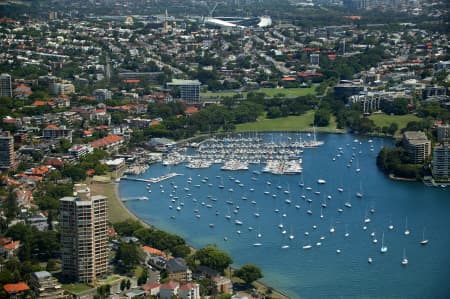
{"x":319,"y":272}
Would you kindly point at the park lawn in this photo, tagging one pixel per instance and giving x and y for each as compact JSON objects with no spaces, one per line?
{"x":270,"y":92}
{"x":291,"y":123}
{"x":384,"y":120}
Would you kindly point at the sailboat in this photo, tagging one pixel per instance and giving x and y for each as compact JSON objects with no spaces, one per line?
{"x":366,"y":218}
{"x":407,"y":232}
{"x":359,"y":194}
{"x":391,"y":226}
{"x":301,"y":183}
{"x":348,"y":203}
{"x":383,"y":248}
{"x":332,"y":228}
{"x":321,"y":212}
{"x":357,"y":165}
{"x":291,"y":236}
{"x":404,"y":259}
{"x":424,"y":241}
{"x":324,"y":204}
{"x":346,"y":231}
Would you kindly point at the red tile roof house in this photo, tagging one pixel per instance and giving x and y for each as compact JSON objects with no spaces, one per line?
{"x":109,"y":142}
{"x":189,"y":291}
{"x":151,"y":289}
{"x":16,"y":290}
{"x":8,"y":247}
{"x":167,"y":290}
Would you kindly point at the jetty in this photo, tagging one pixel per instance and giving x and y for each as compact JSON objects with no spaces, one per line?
{"x":152,"y":180}
{"x":135,"y":198}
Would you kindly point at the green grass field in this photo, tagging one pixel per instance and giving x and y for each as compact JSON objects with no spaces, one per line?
{"x":383,"y":120}
{"x":270,"y":92}
{"x":290,"y":123}
{"x":76,"y":288}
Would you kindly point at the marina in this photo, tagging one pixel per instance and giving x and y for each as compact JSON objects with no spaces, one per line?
{"x":237,"y":153}
{"x":303,"y":229}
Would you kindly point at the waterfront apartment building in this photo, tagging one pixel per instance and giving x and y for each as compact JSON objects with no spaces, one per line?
{"x":189,"y":89}
{"x":45,"y":286}
{"x":441,"y":161}
{"x":7,"y":158}
{"x":417,"y":145}
{"x":5,"y":85}
{"x":84,"y":235}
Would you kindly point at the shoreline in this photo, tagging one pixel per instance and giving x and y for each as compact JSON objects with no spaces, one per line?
{"x":120,"y":213}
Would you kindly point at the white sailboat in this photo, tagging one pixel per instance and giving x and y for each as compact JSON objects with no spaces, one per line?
{"x":407,"y":231}
{"x":423,"y":241}
{"x":291,"y":236}
{"x":359,"y":194}
{"x":366,"y":218}
{"x":332,"y":230}
{"x":370,"y":260}
{"x":391,"y":226}
{"x":346,"y":231}
{"x":348,"y":203}
{"x":383,"y":248}
{"x":404,"y":259}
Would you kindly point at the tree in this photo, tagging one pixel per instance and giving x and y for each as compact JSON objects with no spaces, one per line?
{"x":249,"y":273}
{"x":392,"y":128}
{"x":142,"y":279}
{"x":322,"y":118}
{"x":128,"y":256}
{"x":211,"y":257}
{"x":11,"y":206}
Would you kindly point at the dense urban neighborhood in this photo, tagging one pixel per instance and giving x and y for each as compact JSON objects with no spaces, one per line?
{"x":91,"y":91}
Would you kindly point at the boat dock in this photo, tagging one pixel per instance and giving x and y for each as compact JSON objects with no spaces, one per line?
{"x":135,"y":198}
{"x":153,"y":180}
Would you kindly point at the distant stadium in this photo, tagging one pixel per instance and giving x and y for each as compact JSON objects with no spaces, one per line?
{"x":236,"y":22}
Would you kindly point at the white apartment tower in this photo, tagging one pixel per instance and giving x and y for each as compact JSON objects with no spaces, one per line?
{"x":84,"y":235}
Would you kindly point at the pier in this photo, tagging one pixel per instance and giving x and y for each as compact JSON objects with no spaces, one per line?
{"x":153,"y":180}
{"x":135,"y":198}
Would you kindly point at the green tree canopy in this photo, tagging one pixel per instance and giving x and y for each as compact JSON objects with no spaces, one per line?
{"x":249,"y":273}
{"x":211,"y":257}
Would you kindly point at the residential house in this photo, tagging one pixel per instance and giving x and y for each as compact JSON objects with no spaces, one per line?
{"x":110,"y":143}
{"x":189,"y":291}
{"x":16,"y":290}
{"x":168,"y":290}
{"x":178,"y":270}
{"x":8,"y":247}
{"x":151,"y":289}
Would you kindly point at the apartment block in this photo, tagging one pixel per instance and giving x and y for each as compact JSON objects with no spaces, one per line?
{"x":441,"y":161}
{"x":7,"y":158}
{"x":45,"y":286}
{"x":417,"y":145}
{"x":5,"y":85}
{"x":84,"y":235}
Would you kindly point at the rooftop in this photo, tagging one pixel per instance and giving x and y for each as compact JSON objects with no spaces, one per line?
{"x":12,"y":288}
